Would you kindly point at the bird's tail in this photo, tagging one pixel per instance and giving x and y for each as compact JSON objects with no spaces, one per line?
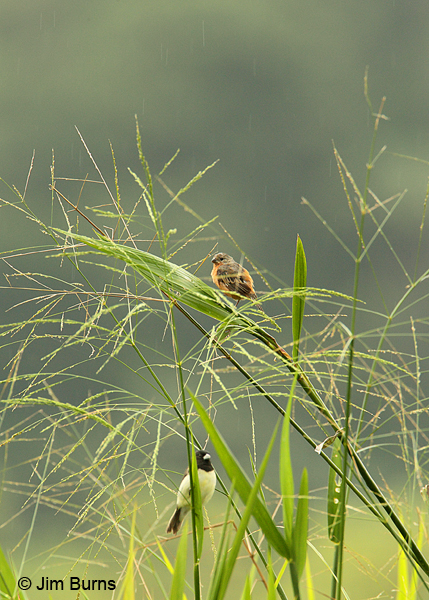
{"x":175,"y":522}
{"x":259,"y":306}
{"x":253,"y":297}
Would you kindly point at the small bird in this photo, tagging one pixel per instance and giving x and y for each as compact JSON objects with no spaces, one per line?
{"x":207,"y":479}
{"x":232,"y":278}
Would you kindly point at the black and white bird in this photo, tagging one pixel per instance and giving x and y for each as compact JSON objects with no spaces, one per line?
{"x":207,"y":479}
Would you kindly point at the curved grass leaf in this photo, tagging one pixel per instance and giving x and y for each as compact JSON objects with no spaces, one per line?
{"x":181,"y":285}
{"x":241,"y":530}
{"x":173,"y":280}
{"x":242,"y":485}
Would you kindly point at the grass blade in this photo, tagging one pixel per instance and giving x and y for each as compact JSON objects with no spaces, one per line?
{"x":129,"y":584}
{"x":242,"y":485}
{"x":7,"y":579}
{"x":334,"y":496}
{"x":246,"y":595}
{"x":222,"y":552}
{"x":170,"y":278}
{"x":300,"y":531}
{"x":298,"y":301}
{"x":286,"y":475}
{"x":178,"y":583}
{"x":250,"y":506}
{"x":271,"y":595}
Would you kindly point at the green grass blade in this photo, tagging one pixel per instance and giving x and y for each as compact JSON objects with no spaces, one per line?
{"x":7,"y":579}
{"x":300,"y":531}
{"x":241,"y":530}
{"x":242,"y":485}
{"x":173,"y":280}
{"x":178,"y":583}
{"x":286,"y":475}
{"x":309,"y":581}
{"x":334,"y":495}
{"x":298,"y":301}
{"x":129,"y":583}
{"x":403,"y":591}
{"x":221,"y":553}
{"x":271,"y":595}
{"x":246,"y":595}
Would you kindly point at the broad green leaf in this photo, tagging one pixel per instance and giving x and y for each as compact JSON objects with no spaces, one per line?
{"x":300,"y":530}
{"x":242,"y":485}
{"x":178,"y":583}
{"x":7,"y":580}
{"x":334,"y":488}
{"x":173,"y":280}
{"x":298,"y":300}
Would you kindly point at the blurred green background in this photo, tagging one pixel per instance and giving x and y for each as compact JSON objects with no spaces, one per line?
{"x":264,"y":87}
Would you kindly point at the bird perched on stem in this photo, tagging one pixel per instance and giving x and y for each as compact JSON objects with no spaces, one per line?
{"x":232,"y":278}
{"x":207,"y":480}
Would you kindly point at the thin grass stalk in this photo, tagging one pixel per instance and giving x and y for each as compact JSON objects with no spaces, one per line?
{"x":343,"y":489}
{"x":76,"y":266}
{"x":190,"y":450}
{"x":382,"y":339}
{"x":421,"y":233}
{"x":188,"y":433}
{"x":295,"y":580}
{"x":334,"y":580}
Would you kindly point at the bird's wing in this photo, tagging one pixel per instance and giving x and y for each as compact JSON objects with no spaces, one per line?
{"x":184,"y":493}
{"x":234,"y":280}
